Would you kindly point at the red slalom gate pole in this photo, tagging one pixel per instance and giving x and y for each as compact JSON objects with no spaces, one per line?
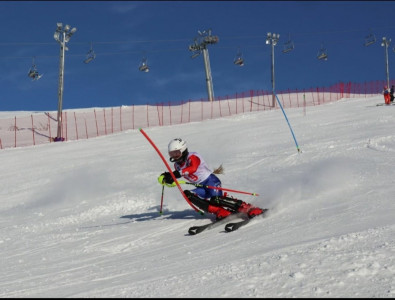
{"x":170,"y":171}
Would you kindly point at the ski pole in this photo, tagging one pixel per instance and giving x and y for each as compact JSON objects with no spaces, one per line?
{"x":161,"y":200}
{"x":216,"y":188}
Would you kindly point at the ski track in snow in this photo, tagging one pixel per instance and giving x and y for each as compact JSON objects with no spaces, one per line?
{"x":87,"y":225}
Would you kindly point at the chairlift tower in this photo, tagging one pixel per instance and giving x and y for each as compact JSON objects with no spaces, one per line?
{"x":200,"y":46}
{"x":62,"y":35}
{"x":272,"y":39}
{"x":385,"y":43}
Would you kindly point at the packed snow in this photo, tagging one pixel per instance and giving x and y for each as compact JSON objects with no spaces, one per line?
{"x":81,"y":218}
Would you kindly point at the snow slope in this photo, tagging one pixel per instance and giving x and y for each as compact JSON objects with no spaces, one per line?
{"x":80,"y":218}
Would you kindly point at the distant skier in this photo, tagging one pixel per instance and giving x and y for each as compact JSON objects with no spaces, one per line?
{"x":392,"y":93}
{"x":387,"y":96}
{"x":193,"y":168}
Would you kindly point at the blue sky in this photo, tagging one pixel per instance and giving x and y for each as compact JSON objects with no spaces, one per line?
{"x":123,"y":32}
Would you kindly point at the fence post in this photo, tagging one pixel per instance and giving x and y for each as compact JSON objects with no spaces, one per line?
{"x":120,"y":118}
{"x":236,"y":103}
{"x":34,"y":140}
{"x":219,"y":105}
{"x":112,"y":120}
{"x":65,"y":116}
{"x":49,"y":129}
{"x":189,"y":111}
{"x":147,"y":117}
{"x":157,"y":109}
{"x":97,"y":128}
{"x":201,"y":102}
{"x":182,"y":109}
{"x":76,"y":128}
{"x":15,"y":132}
{"x":133,"y":115}
{"x":86,"y":128}
{"x":251,"y":95}
{"x":170,"y":111}
{"x":105,"y":121}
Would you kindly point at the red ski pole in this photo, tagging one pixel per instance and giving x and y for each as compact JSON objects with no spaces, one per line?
{"x":218,"y":188}
{"x":161,"y":200}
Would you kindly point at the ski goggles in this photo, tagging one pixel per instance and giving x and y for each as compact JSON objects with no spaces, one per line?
{"x":175,"y":154}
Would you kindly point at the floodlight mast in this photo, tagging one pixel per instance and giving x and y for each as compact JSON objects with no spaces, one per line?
{"x":386,"y":42}
{"x":272,"y":39}
{"x":62,"y":36}
{"x":199,"y":46}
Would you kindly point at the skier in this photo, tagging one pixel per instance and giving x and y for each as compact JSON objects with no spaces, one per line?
{"x":392,"y":93}
{"x":193,"y":168}
{"x":387,"y":96}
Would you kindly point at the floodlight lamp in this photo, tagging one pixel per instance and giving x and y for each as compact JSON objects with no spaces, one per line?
{"x":195,"y":55}
{"x":74,"y":29}
{"x":269,"y":35}
{"x":67,"y":27}
{"x":194,"y":47}
{"x":56,"y":36}
{"x":59,"y":26}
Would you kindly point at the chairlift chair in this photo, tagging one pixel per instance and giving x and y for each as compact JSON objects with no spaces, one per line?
{"x":288,"y":46}
{"x":91,"y":55}
{"x":33,"y":73}
{"x":370,"y":39}
{"x":144,"y":66}
{"x":239,"y":59}
{"x":322,"y":54}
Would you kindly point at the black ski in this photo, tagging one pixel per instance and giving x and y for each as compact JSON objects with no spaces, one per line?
{"x":198,"y":229}
{"x":236,"y":225}
{"x":383,"y":104}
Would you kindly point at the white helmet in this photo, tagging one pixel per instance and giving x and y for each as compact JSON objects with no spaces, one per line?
{"x":178,"y":150}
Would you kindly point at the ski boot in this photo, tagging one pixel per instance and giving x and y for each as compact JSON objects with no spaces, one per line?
{"x":251,"y":211}
{"x":213,"y":208}
{"x":236,"y":205}
{"x":219,"y":212}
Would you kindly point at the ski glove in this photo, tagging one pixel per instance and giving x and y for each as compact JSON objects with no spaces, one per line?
{"x":166,"y":179}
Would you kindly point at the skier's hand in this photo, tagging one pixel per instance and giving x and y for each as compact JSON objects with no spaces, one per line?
{"x":166,"y":179}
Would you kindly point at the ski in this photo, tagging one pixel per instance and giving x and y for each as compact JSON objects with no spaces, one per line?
{"x":236,"y":225}
{"x":198,"y":229}
{"x":383,"y":104}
